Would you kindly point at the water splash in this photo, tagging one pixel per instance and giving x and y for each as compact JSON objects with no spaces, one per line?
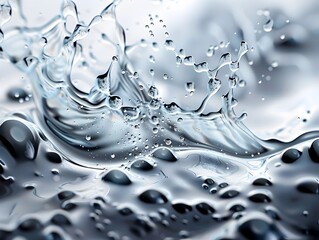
{"x":100,"y":124}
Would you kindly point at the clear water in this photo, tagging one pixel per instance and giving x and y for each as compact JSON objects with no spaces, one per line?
{"x":151,"y":120}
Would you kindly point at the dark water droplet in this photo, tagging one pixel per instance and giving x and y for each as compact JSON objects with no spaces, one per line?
{"x":97,"y":205}
{"x":29,"y":187}
{"x":164,"y":154}
{"x":69,"y":206}
{"x":53,"y":157}
{"x":182,"y":208}
{"x":15,"y":94}
{"x":153,"y":196}
{"x":213,"y":191}
{"x":144,"y":224}
{"x":54,"y":236}
{"x":309,"y":186}
{"x":1,"y":169}
{"x":30,"y":225}
{"x":223,"y":185}
{"x":141,"y":228}
{"x":262,"y":182}
{"x":4,"y":188}
{"x":61,"y":220}
{"x":314,"y":151}
{"x":142,"y":165}
{"x":18,"y":139}
{"x":66,"y":195}
{"x":204,"y":208}
{"x":272,"y":213}
{"x":209,"y":181}
{"x":229,"y":194}
{"x":291,"y":155}
{"x":258,"y":229}
{"x":117,"y":177}
{"x":260,"y":198}
{"x":126,"y":211}
{"x":237,"y":208}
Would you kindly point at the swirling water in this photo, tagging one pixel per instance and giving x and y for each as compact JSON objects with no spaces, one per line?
{"x":113,"y":132}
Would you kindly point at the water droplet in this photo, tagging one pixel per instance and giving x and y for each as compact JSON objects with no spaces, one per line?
{"x":169,"y":45}
{"x":115,"y":102}
{"x":260,"y":198}
{"x":53,"y":157}
{"x":19,"y":140}
{"x":262,"y":182}
{"x":30,"y":225}
{"x":268,"y":25}
{"x":60,"y":220}
{"x":141,"y":165}
{"x":65,"y":195}
{"x":308,"y":186}
{"x":88,"y":138}
{"x":204,"y":208}
{"x":314,"y":151}
{"x":117,"y":177}
{"x":258,"y":229}
{"x":153,"y":92}
{"x":291,"y":155}
{"x":164,"y":154}
{"x":229,"y":194}
{"x":188,"y":61}
{"x":274,"y":64}
{"x":153,"y":197}
{"x":182,"y":208}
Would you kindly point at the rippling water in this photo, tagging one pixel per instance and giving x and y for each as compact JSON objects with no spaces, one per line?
{"x":159,"y":119}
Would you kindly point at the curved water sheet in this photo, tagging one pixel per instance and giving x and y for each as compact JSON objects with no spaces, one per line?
{"x":159,"y":119}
